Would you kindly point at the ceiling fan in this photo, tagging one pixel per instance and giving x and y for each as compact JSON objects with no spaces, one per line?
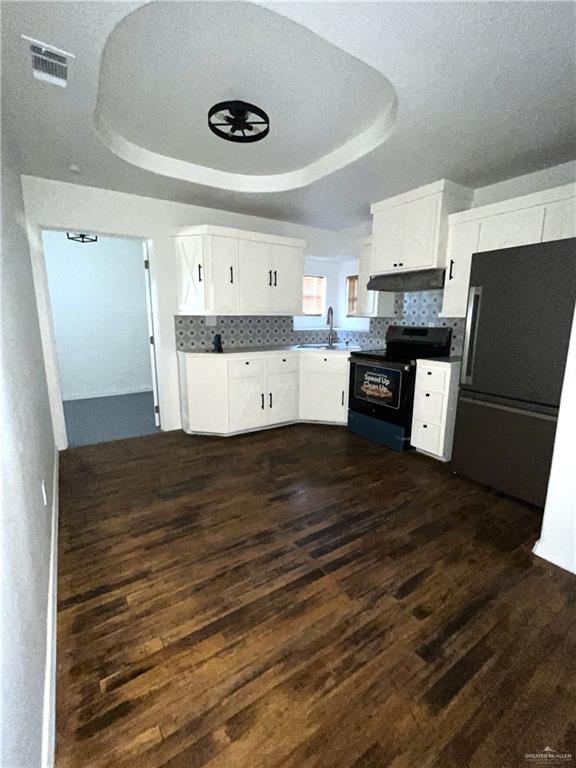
{"x":238,"y":121}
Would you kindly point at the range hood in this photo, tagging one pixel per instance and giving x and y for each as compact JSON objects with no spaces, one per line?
{"x":419,"y":280}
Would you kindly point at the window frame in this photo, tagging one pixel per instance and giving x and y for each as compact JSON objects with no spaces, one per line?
{"x":349,"y":280}
{"x":323,"y":283}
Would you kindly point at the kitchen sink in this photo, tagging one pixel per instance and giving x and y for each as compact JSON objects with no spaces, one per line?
{"x":323,"y":346}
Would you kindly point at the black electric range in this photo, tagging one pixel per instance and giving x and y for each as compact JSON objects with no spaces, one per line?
{"x":381,"y":395}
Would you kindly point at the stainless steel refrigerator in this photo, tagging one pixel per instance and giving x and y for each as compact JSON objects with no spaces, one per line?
{"x":520,"y":310}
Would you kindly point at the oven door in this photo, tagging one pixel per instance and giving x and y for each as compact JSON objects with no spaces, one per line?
{"x":384,"y":390}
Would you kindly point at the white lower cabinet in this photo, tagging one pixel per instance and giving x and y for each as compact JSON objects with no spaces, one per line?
{"x":282,"y":398}
{"x":435,"y":399}
{"x":231,"y":393}
{"x":324,"y":388}
{"x":247,"y":403}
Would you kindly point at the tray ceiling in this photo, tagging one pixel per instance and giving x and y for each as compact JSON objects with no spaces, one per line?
{"x":485,"y":92}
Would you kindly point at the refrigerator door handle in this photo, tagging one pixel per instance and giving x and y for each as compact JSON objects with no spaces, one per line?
{"x":472,"y":318}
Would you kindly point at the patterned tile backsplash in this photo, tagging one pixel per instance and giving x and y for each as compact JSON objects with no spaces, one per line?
{"x":416,"y":308}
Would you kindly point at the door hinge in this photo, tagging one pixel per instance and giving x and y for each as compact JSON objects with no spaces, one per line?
{"x":156,"y":409}
{"x":151,"y":339}
{"x":146,"y":264}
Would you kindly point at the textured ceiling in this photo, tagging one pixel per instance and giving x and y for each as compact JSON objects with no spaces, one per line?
{"x":486,"y":91}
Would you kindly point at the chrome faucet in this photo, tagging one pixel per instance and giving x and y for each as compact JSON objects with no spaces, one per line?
{"x":332,"y":337}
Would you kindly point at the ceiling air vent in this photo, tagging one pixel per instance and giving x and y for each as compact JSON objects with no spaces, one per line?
{"x":48,"y":63}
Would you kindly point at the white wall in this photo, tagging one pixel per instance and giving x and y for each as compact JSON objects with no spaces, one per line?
{"x":98,"y":300}
{"x":59,"y":205}
{"x":335,"y":270}
{"x":28,"y":526}
{"x":558,"y":538}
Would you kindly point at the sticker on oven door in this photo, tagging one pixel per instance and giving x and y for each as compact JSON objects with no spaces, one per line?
{"x":378,"y":385}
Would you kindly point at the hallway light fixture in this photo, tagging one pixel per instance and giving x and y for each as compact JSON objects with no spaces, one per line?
{"x":81,"y":237}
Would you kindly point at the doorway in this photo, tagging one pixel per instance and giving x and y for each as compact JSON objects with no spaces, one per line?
{"x":99,"y":292}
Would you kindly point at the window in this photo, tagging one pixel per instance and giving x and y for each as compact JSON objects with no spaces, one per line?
{"x":314,"y":295}
{"x":351,"y":294}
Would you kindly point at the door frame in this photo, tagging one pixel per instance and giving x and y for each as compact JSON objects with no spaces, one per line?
{"x":46,"y":322}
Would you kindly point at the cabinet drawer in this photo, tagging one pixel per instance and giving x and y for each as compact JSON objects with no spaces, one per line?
{"x":428,"y":406}
{"x":426,"y":436}
{"x":329,"y":363}
{"x":286,"y":364}
{"x":430,"y":379}
{"x":244,"y":367}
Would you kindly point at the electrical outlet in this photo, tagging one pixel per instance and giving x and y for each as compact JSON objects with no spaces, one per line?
{"x":44,"y":496}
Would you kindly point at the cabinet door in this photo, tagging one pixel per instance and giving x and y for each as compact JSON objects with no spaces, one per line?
{"x":420,"y":233}
{"x":323,"y":397}
{"x":510,"y":229}
{"x":191,"y":274}
{"x":255,"y":277}
{"x":282,"y":398}
{"x":462,"y":243}
{"x":247,"y":403}
{"x":388,"y":230}
{"x":560,"y":220}
{"x":222,"y":275}
{"x":287,"y":265}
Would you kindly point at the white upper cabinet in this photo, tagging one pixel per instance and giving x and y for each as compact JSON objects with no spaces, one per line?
{"x":511,"y":229}
{"x":222,"y":275}
{"x":370,"y":303}
{"x":535,"y":218}
{"x":229,"y":272}
{"x":560,"y":220}
{"x":409,"y":231}
{"x":255,"y":278}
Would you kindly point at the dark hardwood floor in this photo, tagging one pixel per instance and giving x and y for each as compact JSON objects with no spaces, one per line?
{"x":302,"y":598}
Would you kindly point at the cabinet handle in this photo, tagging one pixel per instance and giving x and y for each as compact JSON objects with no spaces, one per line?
{"x":199,"y":273}
{"x":262,"y":396}
{"x":283,"y":359}
{"x":425,"y":426}
{"x":270,"y":399}
{"x":429,"y":373}
{"x":400,"y":263}
{"x":231,"y":274}
{"x":247,"y":362}
{"x":269,"y":277}
{"x":342,"y":397}
{"x":427,"y":394}
{"x":275,"y":278}
{"x":395,"y":265}
{"x":450,"y":273}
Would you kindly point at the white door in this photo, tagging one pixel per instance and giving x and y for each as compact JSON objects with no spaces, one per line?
{"x":462,"y":243}
{"x":247,"y":403}
{"x":192,"y":276}
{"x":510,"y":229}
{"x":323,"y":397}
{"x":222,"y":275}
{"x":255,"y":277}
{"x":287,"y":264}
{"x":282,"y":402}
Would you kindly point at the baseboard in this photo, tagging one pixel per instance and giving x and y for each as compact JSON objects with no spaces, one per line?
{"x":92,"y":395}
{"x":49,"y":714}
